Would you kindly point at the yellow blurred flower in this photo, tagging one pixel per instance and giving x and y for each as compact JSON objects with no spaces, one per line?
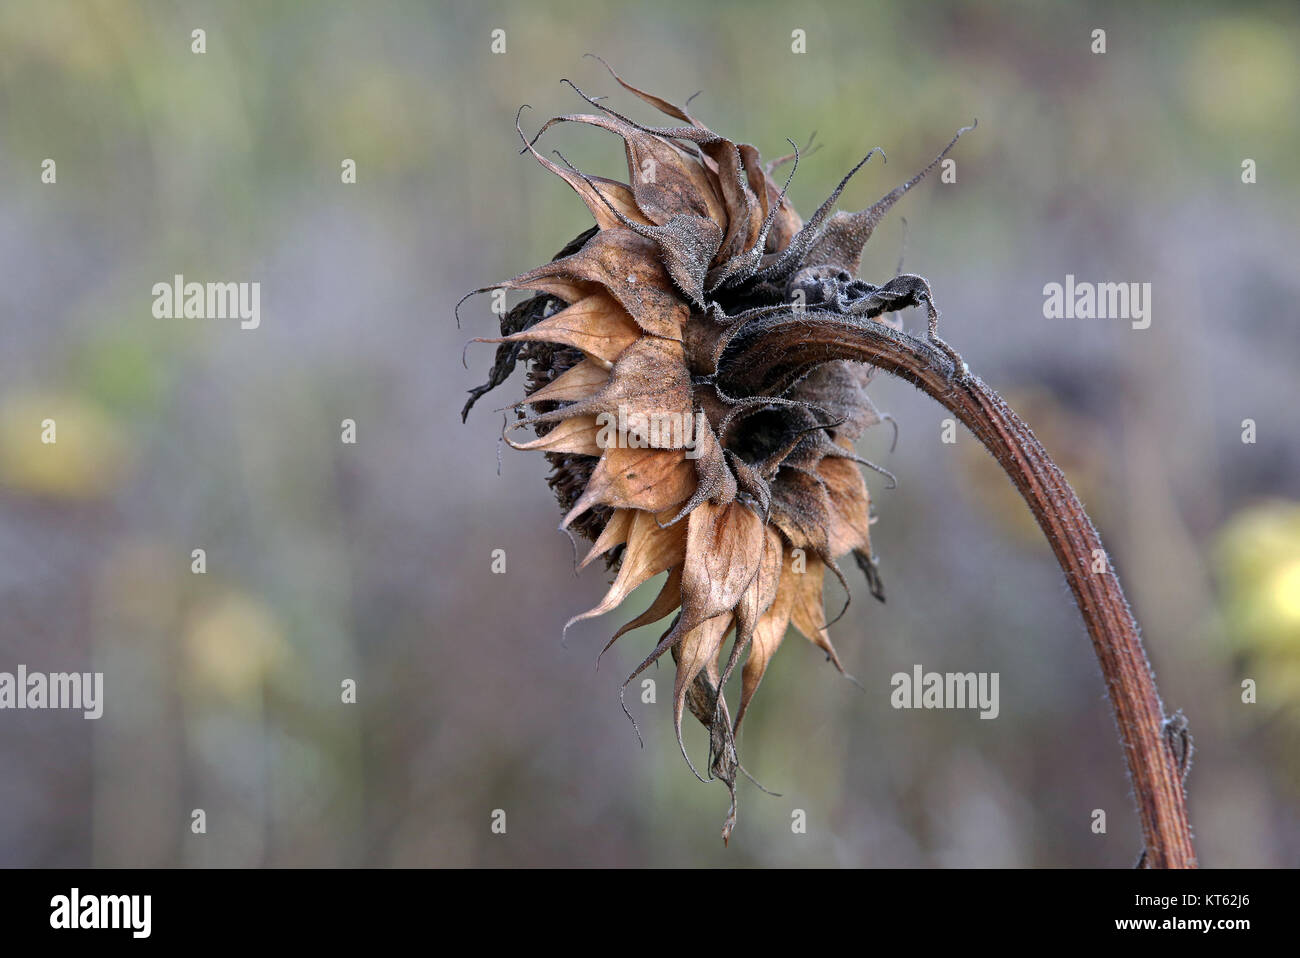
{"x":232,"y":646}
{"x":1241,"y":73}
{"x":1258,"y":555}
{"x":87,"y":458}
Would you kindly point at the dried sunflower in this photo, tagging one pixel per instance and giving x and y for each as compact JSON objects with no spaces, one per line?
{"x":684,"y":436}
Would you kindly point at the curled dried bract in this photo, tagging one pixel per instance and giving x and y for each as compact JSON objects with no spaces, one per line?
{"x":681,"y":440}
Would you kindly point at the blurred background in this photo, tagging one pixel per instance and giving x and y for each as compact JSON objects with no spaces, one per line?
{"x":372,"y":562}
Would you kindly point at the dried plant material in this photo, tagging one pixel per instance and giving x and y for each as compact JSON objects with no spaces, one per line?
{"x":663,"y":316}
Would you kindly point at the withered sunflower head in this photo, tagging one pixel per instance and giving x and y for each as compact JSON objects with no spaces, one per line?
{"x":687,"y":431}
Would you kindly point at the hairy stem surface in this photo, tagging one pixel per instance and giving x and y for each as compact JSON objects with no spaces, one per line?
{"x":1154,"y":765}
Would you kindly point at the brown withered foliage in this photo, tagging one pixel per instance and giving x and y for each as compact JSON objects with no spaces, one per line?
{"x":664,"y":313}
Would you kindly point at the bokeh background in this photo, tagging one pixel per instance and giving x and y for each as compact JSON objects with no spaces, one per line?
{"x":372,"y":561}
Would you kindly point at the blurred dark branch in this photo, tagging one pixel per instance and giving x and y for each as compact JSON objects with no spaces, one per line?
{"x":1155,"y":770}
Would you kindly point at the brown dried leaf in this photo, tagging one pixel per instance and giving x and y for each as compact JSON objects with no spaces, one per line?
{"x":595,"y":324}
{"x":668,"y":599}
{"x":801,"y":510}
{"x":714,"y":481}
{"x":741,"y":205}
{"x":659,"y":103}
{"x":785,"y":225}
{"x":650,"y":479}
{"x":561,"y":287}
{"x":807,"y":609}
{"x":664,"y":179}
{"x":839,"y":388}
{"x":757,"y":180}
{"x":614,"y":534}
{"x":768,"y":634}
{"x":577,"y":435}
{"x":626,"y":265}
{"x":697,"y":650}
{"x":580,"y":382}
{"x":651,"y":549}
{"x":758,"y":598}
{"x":599,"y":194}
{"x":648,"y":392}
{"x":724,"y":550}
{"x":849,"y":506}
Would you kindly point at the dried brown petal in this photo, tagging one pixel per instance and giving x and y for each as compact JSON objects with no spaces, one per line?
{"x":767,"y":637}
{"x":698,"y":649}
{"x":668,"y":599}
{"x":649,"y":479}
{"x":849,"y":506}
{"x":651,"y":549}
{"x":613,"y":535}
{"x":606,"y":199}
{"x":680,"y":308}
{"x":648,"y":391}
{"x":595,"y":324}
{"x":579,"y":382}
{"x":724,"y":549}
{"x":664,"y":180}
{"x":577,"y":435}
{"x":808,"y":611}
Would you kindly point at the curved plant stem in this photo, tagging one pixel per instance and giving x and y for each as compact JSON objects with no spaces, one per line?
{"x":1154,"y":766}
